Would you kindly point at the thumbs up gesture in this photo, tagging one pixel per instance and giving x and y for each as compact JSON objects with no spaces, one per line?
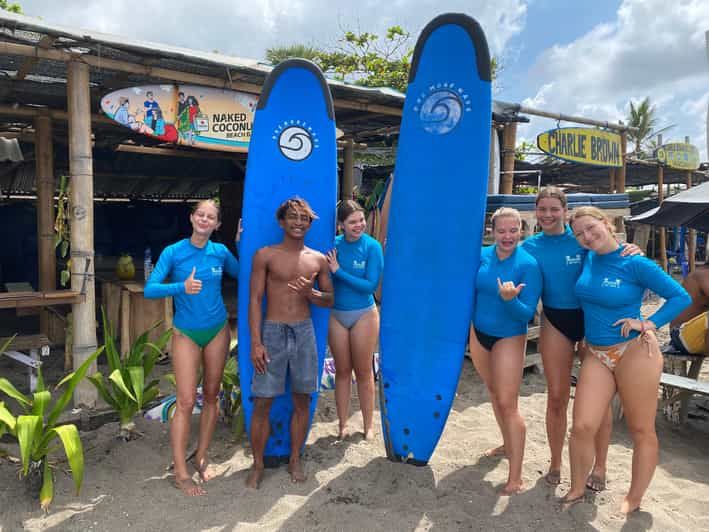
{"x":303,"y":285}
{"x":192,"y":285}
{"x":508,"y":290}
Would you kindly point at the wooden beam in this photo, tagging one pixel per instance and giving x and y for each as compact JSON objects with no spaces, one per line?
{"x":663,"y":233}
{"x":28,"y":64}
{"x":177,"y":152}
{"x":82,"y":224}
{"x":620,"y":172}
{"x":24,"y":50}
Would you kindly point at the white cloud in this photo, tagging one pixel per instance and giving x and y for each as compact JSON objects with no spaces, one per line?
{"x":652,"y":49}
{"x":248,"y":29}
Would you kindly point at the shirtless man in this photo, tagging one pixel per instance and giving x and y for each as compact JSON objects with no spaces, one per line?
{"x":285,"y":340}
{"x":697,"y":285}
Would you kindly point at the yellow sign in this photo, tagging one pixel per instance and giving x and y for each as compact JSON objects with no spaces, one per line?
{"x":678,"y":155}
{"x":582,"y":145}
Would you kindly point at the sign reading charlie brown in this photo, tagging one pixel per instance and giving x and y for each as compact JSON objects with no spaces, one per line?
{"x":582,"y":145}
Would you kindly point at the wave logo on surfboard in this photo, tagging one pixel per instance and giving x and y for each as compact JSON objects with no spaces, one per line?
{"x":296,"y":140}
{"x":441,"y":108}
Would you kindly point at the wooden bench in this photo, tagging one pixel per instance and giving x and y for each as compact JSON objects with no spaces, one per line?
{"x":33,"y":344}
{"x":679,"y":382}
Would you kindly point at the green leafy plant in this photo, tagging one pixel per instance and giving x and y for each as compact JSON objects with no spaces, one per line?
{"x":37,"y":428}
{"x":62,"y":235}
{"x":125,"y":390}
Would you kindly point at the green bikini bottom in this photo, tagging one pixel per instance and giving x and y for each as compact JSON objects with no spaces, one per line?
{"x":202,"y":337}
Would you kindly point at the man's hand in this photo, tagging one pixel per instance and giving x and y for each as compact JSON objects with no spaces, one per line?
{"x":303,"y":285}
{"x":259,"y":358}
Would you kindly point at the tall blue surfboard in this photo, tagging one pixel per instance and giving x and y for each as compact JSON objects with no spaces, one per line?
{"x":293,"y":152}
{"x":434,"y":234}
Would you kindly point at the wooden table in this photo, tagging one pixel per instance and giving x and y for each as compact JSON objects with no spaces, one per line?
{"x":679,"y":382}
{"x":131,"y":314}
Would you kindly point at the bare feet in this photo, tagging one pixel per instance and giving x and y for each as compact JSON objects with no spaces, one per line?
{"x":512,"y":487}
{"x":295,"y":469}
{"x":596,"y":482}
{"x":253,"y":481}
{"x":189,"y":487}
{"x":553,"y":477}
{"x":568,"y":500}
{"x":205,"y":472}
{"x":629,"y":506}
{"x":495,"y":451}
{"x":343,"y":434}
{"x":368,"y":435}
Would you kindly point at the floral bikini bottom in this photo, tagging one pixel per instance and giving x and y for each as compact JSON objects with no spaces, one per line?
{"x":610,"y":356}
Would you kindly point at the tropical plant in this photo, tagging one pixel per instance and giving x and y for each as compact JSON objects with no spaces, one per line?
{"x":279,"y":54}
{"x":125,"y":390}
{"x":643,"y":117}
{"x":11,"y":7}
{"x":37,"y":429}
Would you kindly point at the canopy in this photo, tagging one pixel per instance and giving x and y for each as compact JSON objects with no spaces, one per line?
{"x":689,"y":208}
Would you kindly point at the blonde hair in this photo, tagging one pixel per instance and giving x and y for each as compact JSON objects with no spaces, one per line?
{"x":506,"y":212}
{"x":593,"y":212}
{"x":551,"y":192}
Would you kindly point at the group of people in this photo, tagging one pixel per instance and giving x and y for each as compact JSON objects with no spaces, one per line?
{"x":591,"y":289}
{"x":291,"y":276}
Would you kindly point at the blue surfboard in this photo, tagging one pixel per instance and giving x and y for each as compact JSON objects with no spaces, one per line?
{"x":293,"y":152}
{"x":434,"y":234}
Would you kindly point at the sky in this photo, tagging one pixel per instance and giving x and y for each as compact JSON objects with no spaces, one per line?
{"x":582,"y":58}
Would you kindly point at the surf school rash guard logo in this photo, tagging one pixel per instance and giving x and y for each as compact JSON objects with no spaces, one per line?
{"x":296,"y":140}
{"x":441,"y":107}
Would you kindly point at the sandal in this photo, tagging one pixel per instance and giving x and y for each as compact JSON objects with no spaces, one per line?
{"x":553,"y":478}
{"x":596,"y":483}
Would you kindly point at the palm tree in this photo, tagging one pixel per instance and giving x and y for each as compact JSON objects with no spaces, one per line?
{"x":644,"y":118}
{"x":281,"y":53}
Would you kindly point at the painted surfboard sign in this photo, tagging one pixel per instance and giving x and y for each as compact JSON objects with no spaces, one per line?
{"x":189,"y":115}
{"x":678,"y":155}
{"x":583,"y":145}
{"x":293,"y":152}
{"x":434,"y":233}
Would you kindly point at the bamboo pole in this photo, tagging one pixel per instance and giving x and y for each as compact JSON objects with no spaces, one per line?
{"x":176,"y":76}
{"x":347,"y":170}
{"x":611,"y":180}
{"x":692,"y":233}
{"x":44,"y":169}
{"x":662,"y":244}
{"x":81,"y":224}
{"x":620,"y":172}
{"x":509,"y":138}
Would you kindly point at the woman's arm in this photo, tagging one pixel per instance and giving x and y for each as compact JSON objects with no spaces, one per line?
{"x":154,"y":286}
{"x":676,"y":297}
{"x":523,"y":307}
{"x":375,"y":264}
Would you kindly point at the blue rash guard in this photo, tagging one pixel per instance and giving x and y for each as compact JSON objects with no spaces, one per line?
{"x":361,"y":263}
{"x":196,"y":311}
{"x":560,"y":259}
{"x":495,"y":316}
{"x":611,"y":288}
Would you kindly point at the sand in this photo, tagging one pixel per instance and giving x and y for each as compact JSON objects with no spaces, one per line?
{"x":352,"y":486}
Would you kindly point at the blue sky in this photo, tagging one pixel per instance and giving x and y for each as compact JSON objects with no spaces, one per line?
{"x":574,"y":57}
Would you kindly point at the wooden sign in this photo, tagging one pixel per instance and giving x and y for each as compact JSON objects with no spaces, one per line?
{"x":678,"y":155}
{"x":203,"y":117}
{"x":582,"y":145}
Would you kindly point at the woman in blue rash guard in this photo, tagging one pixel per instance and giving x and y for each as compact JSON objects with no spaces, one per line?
{"x":194,"y":267}
{"x":560,"y":258}
{"x":507,"y":288}
{"x":356,"y":264}
{"x":622,"y":351}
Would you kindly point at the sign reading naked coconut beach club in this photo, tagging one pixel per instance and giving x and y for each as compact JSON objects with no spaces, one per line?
{"x":190,"y":115}
{"x":582,"y":145}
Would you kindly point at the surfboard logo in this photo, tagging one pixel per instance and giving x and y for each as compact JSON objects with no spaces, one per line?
{"x":296,"y":140}
{"x":441,"y":108}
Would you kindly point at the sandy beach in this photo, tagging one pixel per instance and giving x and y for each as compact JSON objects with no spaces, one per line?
{"x":352,"y":486}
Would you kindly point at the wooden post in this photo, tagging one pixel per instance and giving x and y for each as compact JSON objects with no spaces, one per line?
{"x":620,"y":172}
{"x":347,"y":170}
{"x":611,"y":180}
{"x":662,"y":244}
{"x":509,"y":139}
{"x":81,"y":217}
{"x":44,"y":170}
{"x":692,"y":233}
